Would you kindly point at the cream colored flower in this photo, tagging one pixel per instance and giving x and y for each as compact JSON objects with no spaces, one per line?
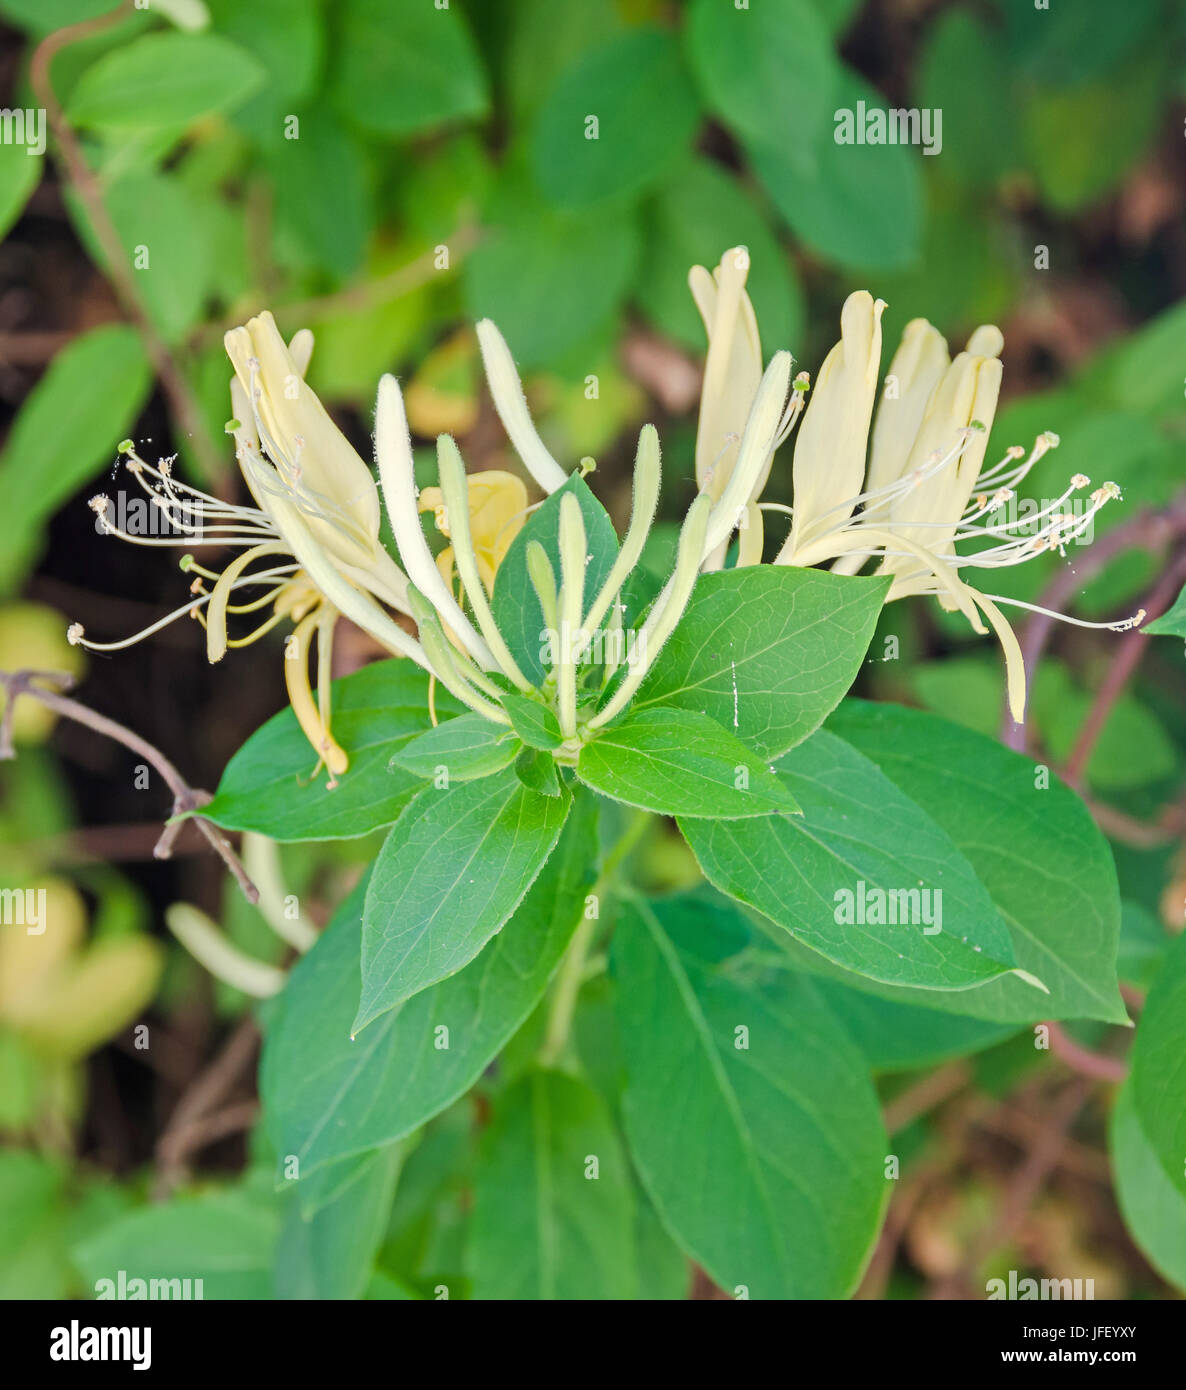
{"x":497,"y":510}
{"x":308,"y":552}
{"x":908,"y":489}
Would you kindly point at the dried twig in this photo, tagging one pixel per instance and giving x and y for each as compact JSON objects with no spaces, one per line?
{"x":1027,"y":1183}
{"x":192,"y":1122}
{"x":1128,"y":655}
{"x":925,"y":1095}
{"x":185,"y":797}
{"x":1097,"y":1066}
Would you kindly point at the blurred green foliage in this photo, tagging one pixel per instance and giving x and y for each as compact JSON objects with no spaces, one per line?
{"x":383,"y":172}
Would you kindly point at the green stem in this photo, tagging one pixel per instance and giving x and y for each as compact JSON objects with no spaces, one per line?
{"x":572,"y":968}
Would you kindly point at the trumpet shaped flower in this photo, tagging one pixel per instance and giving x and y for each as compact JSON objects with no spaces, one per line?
{"x":906,"y":488}
{"x":308,"y":551}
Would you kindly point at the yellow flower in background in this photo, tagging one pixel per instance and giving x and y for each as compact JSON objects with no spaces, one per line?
{"x":62,"y":996}
{"x":31,"y":637}
{"x":497,"y":511}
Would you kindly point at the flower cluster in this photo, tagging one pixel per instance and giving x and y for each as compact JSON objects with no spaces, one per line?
{"x":905,"y":491}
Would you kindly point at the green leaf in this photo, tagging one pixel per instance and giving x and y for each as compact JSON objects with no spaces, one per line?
{"x":1068,"y":44}
{"x":537,"y":771}
{"x":856,"y":205}
{"x":767,"y":651}
{"x":748,"y":1111}
{"x":330,"y":1253}
{"x":44,"y":16}
{"x":1035,"y":848}
{"x":464,"y":748}
{"x":963,"y":70}
{"x":553,"y":1207}
{"x":67,"y":428}
{"x":1154,"y":1209}
{"x":766,"y":70}
{"x":636,"y":88}
{"x":1077,"y":151}
{"x":900,"y":1037}
{"x":534,"y":722}
{"x":163,"y":80}
{"x":327,"y":1097}
{"x":33,"y":1238}
{"x":163,"y":236}
{"x":224,"y":1238}
{"x":334,"y":231}
{"x":1159,"y":1066}
{"x":693,"y":218}
{"x":514,"y":603}
{"x":1143,"y":944}
{"x":20,"y":173}
{"x":452,"y":870}
{"x":681,"y":763}
{"x":268,"y":785}
{"x":287,"y":38}
{"x":1172,"y":622}
{"x":841,"y":877}
{"x":405,"y":68}
{"x":582,"y":266}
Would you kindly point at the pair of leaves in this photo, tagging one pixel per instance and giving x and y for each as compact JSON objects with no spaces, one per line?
{"x":749,"y":1118}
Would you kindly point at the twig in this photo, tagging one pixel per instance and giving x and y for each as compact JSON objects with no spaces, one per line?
{"x":210,"y":1128}
{"x":210,"y":1087}
{"x":185,"y":797}
{"x":925,"y":1095}
{"x":182,"y":400}
{"x":1027,"y":1182}
{"x":368,"y":295}
{"x":1098,"y":1066}
{"x":1124,"y":663}
{"x":1149,"y":528}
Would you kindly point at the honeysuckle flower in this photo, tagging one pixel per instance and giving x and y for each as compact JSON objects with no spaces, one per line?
{"x":575,"y":682}
{"x":907,"y":489}
{"x":309,"y":550}
{"x":732,"y":375}
{"x":497,"y":505}
{"x":732,"y":366}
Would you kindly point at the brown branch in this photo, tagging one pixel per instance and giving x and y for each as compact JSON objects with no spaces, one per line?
{"x":186,"y":1129}
{"x":182,"y":401}
{"x":1027,"y":1183}
{"x":926,"y":1094}
{"x":1128,"y":656}
{"x":1097,"y":1066}
{"x":185,"y":797}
